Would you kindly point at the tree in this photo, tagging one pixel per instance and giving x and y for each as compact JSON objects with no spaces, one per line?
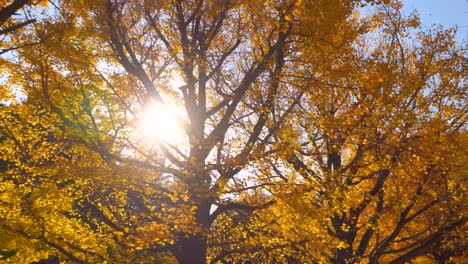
{"x":373,"y":162}
{"x":84,"y":98}
{"x":252,"y":80}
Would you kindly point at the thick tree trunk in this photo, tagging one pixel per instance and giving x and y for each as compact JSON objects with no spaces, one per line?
{"x":193,"y":249}
{"x":344,"y":255}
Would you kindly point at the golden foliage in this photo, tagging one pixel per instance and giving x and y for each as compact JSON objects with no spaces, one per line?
{"x":311,"y":134}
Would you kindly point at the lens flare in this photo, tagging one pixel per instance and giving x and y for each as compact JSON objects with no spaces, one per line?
{"x":159,"y":123}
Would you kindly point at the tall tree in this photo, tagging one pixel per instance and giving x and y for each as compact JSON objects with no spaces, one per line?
{"x":283,"y":110}
{"x":373,"y":165}
{"x":224,"y":62}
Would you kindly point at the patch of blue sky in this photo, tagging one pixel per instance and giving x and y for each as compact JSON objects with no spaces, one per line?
{"x":448,"y":13}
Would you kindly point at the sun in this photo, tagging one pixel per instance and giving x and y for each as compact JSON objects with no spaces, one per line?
{"x":160,"y":123}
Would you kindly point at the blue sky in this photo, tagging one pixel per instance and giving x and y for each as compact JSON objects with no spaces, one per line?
{"x":446,"y":12}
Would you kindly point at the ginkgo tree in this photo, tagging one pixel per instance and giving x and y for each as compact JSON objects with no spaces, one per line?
{"x":141,"y":199}
{"x":299,"y":127}
{"x":371,"y":168}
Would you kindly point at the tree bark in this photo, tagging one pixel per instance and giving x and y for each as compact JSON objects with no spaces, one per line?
{"x":193,"y":249}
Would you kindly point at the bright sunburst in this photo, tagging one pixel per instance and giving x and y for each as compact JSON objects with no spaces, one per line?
{"x":160,"y":123}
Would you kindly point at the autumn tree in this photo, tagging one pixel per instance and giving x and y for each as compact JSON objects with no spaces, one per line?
{"x":295,"y":135}
{"x":372,"y":166}
{"x":106,"y":172}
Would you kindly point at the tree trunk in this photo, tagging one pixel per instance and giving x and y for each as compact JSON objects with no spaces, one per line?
{"x":344,"y":255}
{"x":193,"y":249}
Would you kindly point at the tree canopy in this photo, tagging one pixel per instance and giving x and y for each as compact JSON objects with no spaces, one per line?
{"x":230,"y":131}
